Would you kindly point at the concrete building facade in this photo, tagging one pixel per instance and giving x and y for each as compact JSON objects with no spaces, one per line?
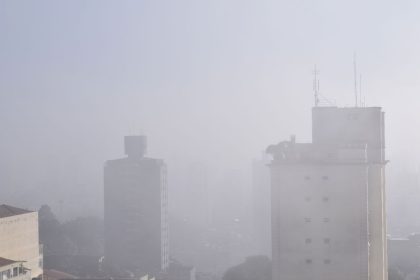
{"x":135,"y":211}
{"x":328,"y":199}
{"x":261,"y":190}
{"x":19,"y":238}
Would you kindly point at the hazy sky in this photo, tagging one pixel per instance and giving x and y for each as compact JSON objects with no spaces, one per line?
{"x":212,"y":80}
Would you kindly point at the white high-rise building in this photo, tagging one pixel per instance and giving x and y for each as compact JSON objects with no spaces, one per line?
{"x":328,"y":199}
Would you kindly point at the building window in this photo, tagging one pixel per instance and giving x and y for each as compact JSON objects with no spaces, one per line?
{"x":325,"y":177}
{"x":325,"y":199}
{"x":308,"y":241}
{"x":327,"y":240}
{"x":5,"y":274}
{"x":308,"y":220}
{"x":326,"y":220}
{"x":327,"y":261}
{"x":15,"y":272}
{"x":308,"y":261}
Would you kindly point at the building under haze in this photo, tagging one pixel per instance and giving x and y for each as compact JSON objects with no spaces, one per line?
{"x":261,"y":206}
{"x":19,"y":240}
{"x":135,"y":211}
{"x":328,"y":199}
{"x":13,"y":270}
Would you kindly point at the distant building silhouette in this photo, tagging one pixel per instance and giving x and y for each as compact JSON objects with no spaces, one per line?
{"x":178,"y":271}
{"x":261,"y":206}
{"x":135,"y":211}
{"x":197,"y":195}
{"x":328,"y":199}
{"x":404,"y":254}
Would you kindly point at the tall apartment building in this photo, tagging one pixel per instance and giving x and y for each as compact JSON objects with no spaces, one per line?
{"x":135,"y":211}
{"x":261,"y":206}
{"x":19,"y":238}
{"x":328,"y":199}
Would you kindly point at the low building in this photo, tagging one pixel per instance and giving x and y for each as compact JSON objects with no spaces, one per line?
{"x":178,"y":271}
{"x":53,"y":274}
{"x":13,"y":270}
{"x":404,"y":253}
{"x":19,"y":238}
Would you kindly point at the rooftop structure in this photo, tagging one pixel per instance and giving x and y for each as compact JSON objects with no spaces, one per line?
{"x":328,"y":199}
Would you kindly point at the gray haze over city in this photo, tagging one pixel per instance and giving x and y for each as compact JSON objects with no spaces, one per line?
{"x":211,"y":84}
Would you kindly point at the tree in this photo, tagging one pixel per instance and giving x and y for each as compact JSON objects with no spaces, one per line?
{"x":254,"y":268}
{"x":87,"y":234}
{"x":51,"y":234}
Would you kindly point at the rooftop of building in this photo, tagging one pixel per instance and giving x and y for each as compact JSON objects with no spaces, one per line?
{"x":107,"y":278}
{"x":350,"y":108}
{"x":350,"y":135}
{"x":4,"y":262}
{"x":9,"y":211}
{"x":52,"y":274}
{"x":134,"y":160}
{"x":292,"y":152}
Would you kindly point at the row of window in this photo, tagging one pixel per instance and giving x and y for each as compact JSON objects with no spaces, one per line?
{"x":326,"y":240}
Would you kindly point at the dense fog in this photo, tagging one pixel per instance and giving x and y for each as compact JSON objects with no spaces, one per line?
{"x":212,"y":84}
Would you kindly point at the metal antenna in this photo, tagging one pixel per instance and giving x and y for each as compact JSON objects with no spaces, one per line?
{"x":355,"y":79}
{"x":362,"y":104}
{"x":316,"y":86}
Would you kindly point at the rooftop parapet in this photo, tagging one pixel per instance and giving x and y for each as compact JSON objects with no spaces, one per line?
{"x":292,"y":152}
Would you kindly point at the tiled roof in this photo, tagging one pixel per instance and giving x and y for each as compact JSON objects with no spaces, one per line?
{"x":4,"y":262}
{"x":52,"y":274}
{"x":8,"y":211}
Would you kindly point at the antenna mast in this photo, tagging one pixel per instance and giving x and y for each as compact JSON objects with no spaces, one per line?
{"x":362,"y":103}
{"x":355,"y":79}
{"x":316,"y":86}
